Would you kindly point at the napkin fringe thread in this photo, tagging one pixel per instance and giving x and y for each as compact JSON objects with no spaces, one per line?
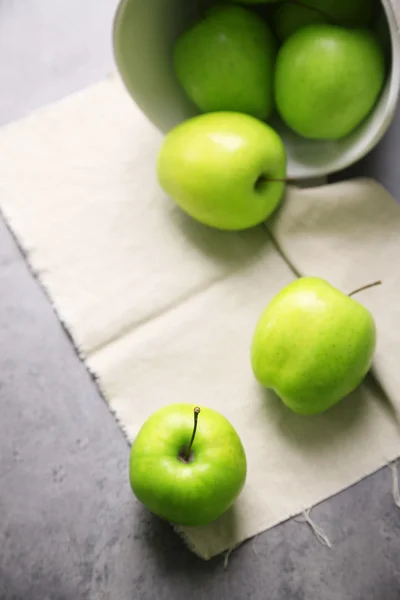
{"x":315,"y":528}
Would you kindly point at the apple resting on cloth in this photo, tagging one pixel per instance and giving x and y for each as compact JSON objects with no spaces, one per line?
{"x":328,"y":79}
{"x":313,"y":345}
{"x":187,"y":466}
{"x":225,"y":61}
{"x":226,"y":170}
{"x":292,"y":15}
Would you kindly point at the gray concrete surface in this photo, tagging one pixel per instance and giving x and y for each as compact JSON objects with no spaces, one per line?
{"x":69,"y":526}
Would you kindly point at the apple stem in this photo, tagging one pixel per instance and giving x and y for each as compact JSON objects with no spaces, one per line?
{"x":365,"y":287}
{"x":264,"y":179}
{"x":283,"y":180}
{"x":196,"y":412}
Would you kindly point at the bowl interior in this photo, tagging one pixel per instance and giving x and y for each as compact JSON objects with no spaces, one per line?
{"x":144,"y":35}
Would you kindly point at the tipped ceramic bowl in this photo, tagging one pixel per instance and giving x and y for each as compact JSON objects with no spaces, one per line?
{"x":144,"y":36}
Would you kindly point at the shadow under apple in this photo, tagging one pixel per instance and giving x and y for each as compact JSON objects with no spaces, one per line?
{"x":168,"y":550}
{"x":233,"y":249}
{"x":316,"y":432}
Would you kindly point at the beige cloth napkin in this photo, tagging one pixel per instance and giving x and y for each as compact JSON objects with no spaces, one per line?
{"x":163,"y":309}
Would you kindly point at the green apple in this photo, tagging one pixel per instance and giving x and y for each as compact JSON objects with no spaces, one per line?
{"x":187,"y":466}
{"x":225,"y":62}
{"x":351,"y":13}
{"x":226,"y":170}
{"x":256,"y":1}
{"x":292,"y":15}
{"x":382,"y":32}
{"x":328,"y":80}
{"x":313,"y":345}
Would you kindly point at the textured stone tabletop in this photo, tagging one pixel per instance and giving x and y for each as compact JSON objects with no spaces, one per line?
{"x":69,"y":526}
